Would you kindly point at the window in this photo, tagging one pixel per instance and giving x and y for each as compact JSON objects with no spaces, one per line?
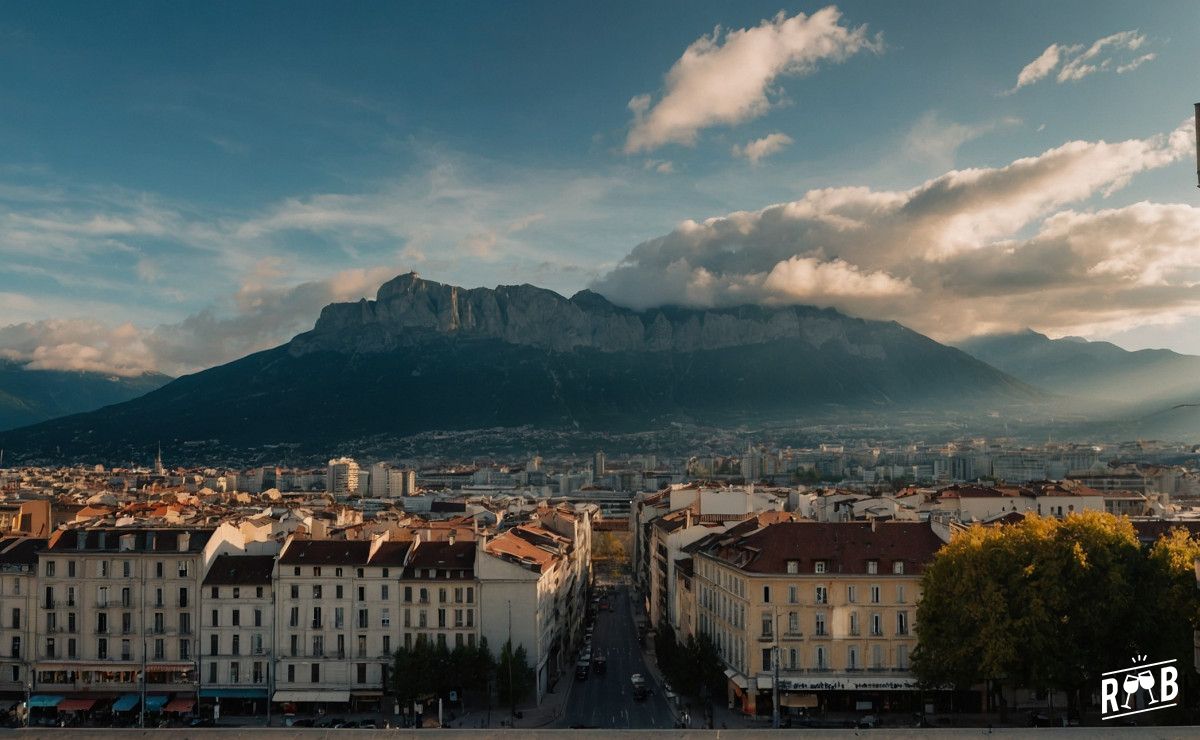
{"x":470,"y":594}
{"x":793,"y":595}
{"x":316,"y":620}
{"x":70,"y":569}
{"x":160,"y":623}
{"x":877,"y":657}
{"x":158,"y":597}
{"x":102,"y":648}
{"x":158,"y":570}
{"x":793,"y":623}
{"x":851,"y":594}
{"x":387,"y":644}
{"x":101,"y":622}
{"x":874,"y":594}
{"x":359,"y":572}
{"x":898,"y":567}
{"x":822,"y":661}
{"x":216,"y":592}
{"x":258,"y":592}
{"x":317,"y":572}
{"x":183,"y":569}
{"x":212,"y":672}
{"x":104,"y":569}
{"x":16,"y":647}
{"x":214,"y":644}
{"x":819,"y":566}
{"x":295,"y":645}
{"x":316,"y":673}
{"x":876,"y":624}
{"x":901,"y":623}
{"x":339,"y":593}
{"x":408,"y":594}
{"x":337,"y":572}
{"x":185,"y":623}
{"x":852,"y":658}
{"x":295,"y":592}
{"x":361,"y":670}
{"x":258,"y":672}
{"x":385,"y":572}
{"x":291,"y":673}
{"x":387,"y":617}
{"x":296,"y":570}
{"x":362,"y":646}
{"x":822,"y":595}
{"x":316,"y":591}
{"x":236,"y":648}
{"x":854,"y":623}
{"x":441,"y":618}
{"x":383,"y":592}
{"x":902,"y":657}
{"x":216,"y":618}
{"x":820,"y":623}
{"x":362,"y":618}
{"x":126,"y":650}
{"x":258,"y":617}
{"x":424,"y":594}
{"x":339,"y":617}
{"x":126,"y":623}
{"x":362,"y":593}
{"x":441,"y":596}
{"x":872,"y":567}
{"x":237,"y":592}
{"x":183,"y":597}
{"x":318,"y":645}
{"x":900,"y":594}
{"x":160,"y":649}
{"x":766,"y":624}
{"x":766,"y":594}
{"x":16,"y":619}
{"x":126,"y":569}
{"x":234,"y":671}
{"x":185,"y":651}
{"x":126,"y":598}
{"x":766,"y":659}
{"x":793,"y":566}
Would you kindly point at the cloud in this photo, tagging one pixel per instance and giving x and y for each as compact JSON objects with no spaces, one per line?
{"x":256,"y":317}
{"x":1110,"y":53}
{"x":759,"y":148}
{"x":969,"y":251}
{"x":726,"y":80}
{"x":935,"y":142}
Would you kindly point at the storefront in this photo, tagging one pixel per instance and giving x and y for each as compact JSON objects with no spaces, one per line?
{"x":232,"y":702}
{"x":313,"y":701}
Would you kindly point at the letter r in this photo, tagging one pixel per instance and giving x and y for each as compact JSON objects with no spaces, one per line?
{"x":1108,"y":694}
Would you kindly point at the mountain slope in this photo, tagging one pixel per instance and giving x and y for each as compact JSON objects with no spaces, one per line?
{"x":427,"y":356}
{"x":30,"y":396}
{"x":1091,"y":370}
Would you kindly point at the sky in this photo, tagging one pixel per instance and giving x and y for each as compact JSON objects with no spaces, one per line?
{"x":184,"y":183}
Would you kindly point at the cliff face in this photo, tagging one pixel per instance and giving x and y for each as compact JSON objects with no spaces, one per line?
{"x":407,"y":310}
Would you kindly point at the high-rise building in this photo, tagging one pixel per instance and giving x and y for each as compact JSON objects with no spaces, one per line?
{"x":598,"y":463}
{"x":341,"y":476}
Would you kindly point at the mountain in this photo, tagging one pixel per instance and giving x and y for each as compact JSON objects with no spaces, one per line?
{"x":1097,"y":371}
{"x":426,"y":356}
{"x":30,"y":396}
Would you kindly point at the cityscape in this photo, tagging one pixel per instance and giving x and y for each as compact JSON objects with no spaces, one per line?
{"x":562,"y":369}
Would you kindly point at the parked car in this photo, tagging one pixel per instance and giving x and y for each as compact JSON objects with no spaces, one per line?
{"x":600,"y":665}
{"x":640,"y":689}
{"x":581,"y":670}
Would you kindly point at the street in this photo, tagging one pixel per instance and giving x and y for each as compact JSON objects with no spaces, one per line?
{"x":606,"y":701}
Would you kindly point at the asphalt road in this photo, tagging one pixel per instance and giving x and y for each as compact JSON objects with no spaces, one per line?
{"x":606,"y":701}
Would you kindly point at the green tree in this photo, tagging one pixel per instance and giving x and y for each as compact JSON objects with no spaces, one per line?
{"x":514,"y":677}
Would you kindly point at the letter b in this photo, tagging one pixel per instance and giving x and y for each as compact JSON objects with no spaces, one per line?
{"x":1169,"y":683}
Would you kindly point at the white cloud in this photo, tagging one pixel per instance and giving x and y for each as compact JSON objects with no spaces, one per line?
{"x":969,"y":251}
{"x":759,"y":148}
{"x":726,"y":80}
{"x":1110,"y":53}
{"x":935,"y":142}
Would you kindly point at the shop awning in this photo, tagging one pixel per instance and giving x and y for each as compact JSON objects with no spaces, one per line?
{"x":179,"y":705}
{"x":764,"y":683}
{"x":44,"y":701}
{"x":233,"y":693}
{"x":328,"y":697}
{"x":76,"y":705}
{"x":126,"y":702}
{"x":166,"y":667}
{"x":366,"y":694}
{"x":798,"y":700}
{"x":736,"y":677}
{"x":155,"y":702}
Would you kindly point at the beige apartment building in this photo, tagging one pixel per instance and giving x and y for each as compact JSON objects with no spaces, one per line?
{"x":18,"y":585}
{"x":237,"y":620}
{"x":117,"y":614}
{"x":826,"y":609}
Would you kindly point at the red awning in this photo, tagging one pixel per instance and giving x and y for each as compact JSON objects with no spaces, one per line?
{"x":76,"y":705}
{"x":179,"y":705}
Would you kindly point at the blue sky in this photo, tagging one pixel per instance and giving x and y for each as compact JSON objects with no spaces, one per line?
{"x":184,"y":183}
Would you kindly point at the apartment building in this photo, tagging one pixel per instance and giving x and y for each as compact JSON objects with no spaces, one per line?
{"x":18,"y":565}
{"x":118,"y":611}
{"x":827,"y":609}
{"x":237,"y":622}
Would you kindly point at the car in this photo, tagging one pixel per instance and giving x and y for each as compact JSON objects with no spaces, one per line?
{"x":204,"y":722}
{"x":581,"y":671}
{"x":349,"y":724}
{"x":603,"y":606}
{"x":367,"y":724}
{"x":640,"y":689}
{"x":585,"y":656}
{"x":600,"y":665}
{"x":868,"y":722}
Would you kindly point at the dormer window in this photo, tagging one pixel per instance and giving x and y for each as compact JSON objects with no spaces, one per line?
{"x":898,"y":567}
{"x":819,"y":566}
{"x":793,"y":566}
{"x":872,"y":567}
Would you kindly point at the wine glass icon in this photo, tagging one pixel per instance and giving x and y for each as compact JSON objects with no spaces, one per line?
{"x":1146,"y":680}
{"x":1130,"y":684}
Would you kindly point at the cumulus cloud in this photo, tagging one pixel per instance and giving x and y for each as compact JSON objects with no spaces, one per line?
{"x":935,"y":142}
{"x":1074,"y":62}
{"x":970,"y":251}
{"x":725,"y":80}
{"x":263,"y":312}
{"x":759,"y":148}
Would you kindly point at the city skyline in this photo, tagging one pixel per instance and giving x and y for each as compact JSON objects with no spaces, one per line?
{"x":180,"y":188}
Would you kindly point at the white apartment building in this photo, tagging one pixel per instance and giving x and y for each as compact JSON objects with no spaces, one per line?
{"x":18,"y":563}
{"x":341,"y":476}
{"x":237,"y":633}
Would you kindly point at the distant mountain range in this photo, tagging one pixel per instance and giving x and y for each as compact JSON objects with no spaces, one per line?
{"x":1097,"y":371}
{"x":29,"y":396}
{"x":427,"y":356}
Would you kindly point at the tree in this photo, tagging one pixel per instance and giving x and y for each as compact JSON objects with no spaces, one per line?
{"x":514,"y":677}
{"x":1046,"y":603}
